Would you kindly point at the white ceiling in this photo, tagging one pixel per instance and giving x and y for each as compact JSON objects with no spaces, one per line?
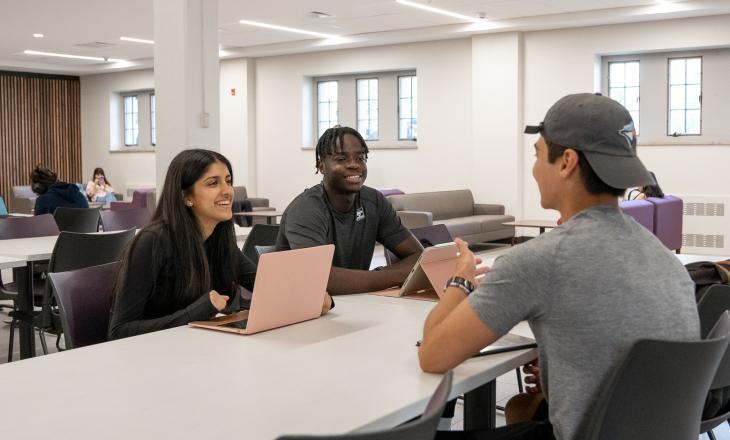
{"x":70,"y":26}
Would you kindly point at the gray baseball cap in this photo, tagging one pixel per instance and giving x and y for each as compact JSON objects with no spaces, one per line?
{"x":603,"y":130}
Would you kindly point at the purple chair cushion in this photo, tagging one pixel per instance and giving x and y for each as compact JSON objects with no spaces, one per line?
{"x":668,"y":220}
{"x":390,"y":191}
{"x":641,"y":210}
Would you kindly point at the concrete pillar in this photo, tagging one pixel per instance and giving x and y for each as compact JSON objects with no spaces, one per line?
{"x":186,"y":78}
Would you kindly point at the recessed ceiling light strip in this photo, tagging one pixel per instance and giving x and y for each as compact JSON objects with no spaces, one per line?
{"x":65,"y":55}
{"x":439,"y":11}
{"x":137,"y":40}
{"x":286,"y":29}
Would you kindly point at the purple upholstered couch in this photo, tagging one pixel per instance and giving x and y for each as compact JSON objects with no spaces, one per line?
{"x":641,"y":210}
{"x":141,"y":198}
{"x":668,"y":220}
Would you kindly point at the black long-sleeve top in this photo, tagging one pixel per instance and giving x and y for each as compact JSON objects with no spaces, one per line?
{"x":145,"y":302}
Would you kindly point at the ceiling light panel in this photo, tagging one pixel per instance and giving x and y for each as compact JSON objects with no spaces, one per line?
{"x":428,"y":8}
{"x":76,"y":57}
{"x":285,"y":29}
{"x":137,"y":40}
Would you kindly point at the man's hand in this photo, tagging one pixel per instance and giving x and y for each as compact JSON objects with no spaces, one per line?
{"x":219,"y":301}
{"x":532,"y":377}
{"x":466,"y":262}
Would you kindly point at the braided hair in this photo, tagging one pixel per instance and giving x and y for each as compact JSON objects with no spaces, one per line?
{"x":331,"y":138}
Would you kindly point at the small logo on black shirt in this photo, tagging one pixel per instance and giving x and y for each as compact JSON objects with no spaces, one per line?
{"x":359,"y":214}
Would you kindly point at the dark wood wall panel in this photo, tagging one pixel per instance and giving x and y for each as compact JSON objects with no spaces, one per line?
{"x":40,"y":122}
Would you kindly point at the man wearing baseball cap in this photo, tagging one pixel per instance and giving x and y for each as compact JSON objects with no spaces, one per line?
{"x":589,"y":288}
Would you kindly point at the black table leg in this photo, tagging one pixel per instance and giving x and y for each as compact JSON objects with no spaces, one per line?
{"x":480,"y":406}
{"x":23,"y":277}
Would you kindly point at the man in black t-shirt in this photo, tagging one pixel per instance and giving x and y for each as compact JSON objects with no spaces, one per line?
{"x":344,"y":212}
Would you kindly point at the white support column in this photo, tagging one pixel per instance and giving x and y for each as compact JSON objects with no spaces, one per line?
{"x":186,"y":78}
{"x":497,"y":170}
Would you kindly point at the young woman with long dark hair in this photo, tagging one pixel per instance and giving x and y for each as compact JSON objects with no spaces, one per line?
{"x":99,"y":188}
{"x":185,"y":265}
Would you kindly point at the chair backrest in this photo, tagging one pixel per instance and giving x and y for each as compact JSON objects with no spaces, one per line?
{"x":658,"y":392}
{"x":84,"y":298}
{"x":122,"y":220}
{"x":428,"y":236}
{"x":3,"y":208}
{"x":240,"y":193}
{"x":713,"y":303}
{"x":75,"y":250}
{"x":77,"y":219}
{"x":260,"y":235}
{"x":716,"y":410}
{"x":423,"y":428}
{"x":25,"y":227}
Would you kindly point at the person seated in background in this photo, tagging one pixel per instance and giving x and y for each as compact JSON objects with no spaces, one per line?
{"x":53,"y":193}
{"x":589,"y":289}
{"x":651,"y":190}
{"x":185,"y":265}
{"x":342,"y":211}
{"x":99,"y":189}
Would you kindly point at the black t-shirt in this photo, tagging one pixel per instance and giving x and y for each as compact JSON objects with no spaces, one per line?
{"x":310,"y":220}
{"x":144,"y":304}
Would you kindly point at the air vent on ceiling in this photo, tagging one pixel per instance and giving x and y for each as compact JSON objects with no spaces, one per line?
{"x":318,"y":14}
{"x":705,"y":209}
{"x":96,"y":45}
{"x":703,"y":241}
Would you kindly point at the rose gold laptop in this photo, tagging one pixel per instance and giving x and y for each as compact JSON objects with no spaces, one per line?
{"x":290,"y":288}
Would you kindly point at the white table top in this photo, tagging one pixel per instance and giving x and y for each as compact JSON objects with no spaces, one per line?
{"x":10,"y":262}
{"x":242,"y":232}
{"x":689,"y":258}
{"x":31,"y":249}
{"x":355,"y":368}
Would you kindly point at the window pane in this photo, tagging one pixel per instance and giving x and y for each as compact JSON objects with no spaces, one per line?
{"x":676,"y":71}
{"x":632,"y":98}
{"x":694,"y":70}
{"x":693,"y":97}
{"x":322,"y":127}
{"x":676,"y":121}
{"x":373,"y":131}
{"x":616,"y":75}
{"x":373,"y":84}
{"x":134,"y":104}
{"x":323,"y":94}
{"x":405,"y":108}
{"x":324,"y":111}
{"x":617,"y":94}
{"x":676,"y":97}
{"x":362,"y":89}
{"x":403,"y":129}
{"x":632,"y":74}
{"x":373,"y":111}
{"x":693,"y":122}
{"x":333,"y":113}
{"x":363,"y":110}
{"x":414,"y":86}
{"x":405,"y":87}
{"x":333,"y":90}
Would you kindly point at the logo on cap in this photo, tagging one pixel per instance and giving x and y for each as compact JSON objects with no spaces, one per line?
{"x":629,"y":132}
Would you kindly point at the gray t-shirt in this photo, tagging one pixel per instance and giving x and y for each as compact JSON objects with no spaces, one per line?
{"x":310,"y":220}
{"x":589,"y":289}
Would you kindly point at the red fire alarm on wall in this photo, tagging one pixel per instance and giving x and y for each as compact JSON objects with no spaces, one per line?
{"x":233,"y":92}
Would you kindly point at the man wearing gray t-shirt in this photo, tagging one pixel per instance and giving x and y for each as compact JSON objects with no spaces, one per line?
{"x":589,"y":289}
{"x":344,"y":212}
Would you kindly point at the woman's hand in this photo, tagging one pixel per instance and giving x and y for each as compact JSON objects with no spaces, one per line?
{"x":219,"y":301}
{"x":327,"y":305}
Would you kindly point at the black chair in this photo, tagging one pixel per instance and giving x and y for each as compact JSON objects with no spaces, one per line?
{"x":82,"y":220}
{"x":72,"y":251}
{"x":658,"y":392}
{"x":260,"y":235}
{"x":127,"y":219}
{"x":428,"y":236}
{"x":84,"y":299}
{"x":423,"y":428}
{"x":25,"y":227}
{"x":714,"y":304}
